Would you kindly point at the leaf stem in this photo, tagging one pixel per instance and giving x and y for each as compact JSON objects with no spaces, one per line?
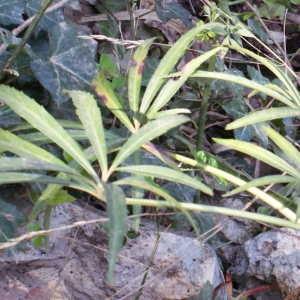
{"x":204,"y":104}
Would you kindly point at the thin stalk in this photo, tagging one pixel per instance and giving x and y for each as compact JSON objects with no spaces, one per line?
{"x":204,"y":104}
{"x":148,"y":267}
{"x":130,"y":10}
{"x":46,"y":226}
{"x":26,"y":37}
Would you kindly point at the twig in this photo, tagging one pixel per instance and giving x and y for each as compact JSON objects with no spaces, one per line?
{"x":284,"y":42}
{"x":25,"y":24}
{"x":274,"y":41}
{"x":26,"y":37}
{"x":192,"y":7}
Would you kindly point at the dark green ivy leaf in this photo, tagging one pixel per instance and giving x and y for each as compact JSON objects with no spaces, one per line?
{"x":257,"y":29}
{"x":10,"y":220}
{"x":7,"y":38}
{"x":11,"y":11}
{"x":48,"y":20}
{"x":172,"y":10}
{"x":238,"y":109}
{"x":70,"y":65}
{"x":51,"y":19}
{"x":8,"y":117}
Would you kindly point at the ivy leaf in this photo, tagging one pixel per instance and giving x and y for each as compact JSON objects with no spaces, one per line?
{"x":109,"y":28}
{"x":172,"y":10}
{"x":271,"y":11}
{"x":70,"y":65}
{"x":10,"y":220}
{"x":11,"y":11}
{"x":255,"y":25}
{"x":238,"y":109}
{"x":151,"y":64}
{"x":257,"y":77}
{"x":51,"y":19}
{"x":48,"y":20}
{"x":223,"y":85}
{"x":8,"y":117}
{"x":285,"y":3}
{"x":7,"y":38}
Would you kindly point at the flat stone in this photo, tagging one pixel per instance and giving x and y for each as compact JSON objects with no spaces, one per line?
{"x":76,"y":267}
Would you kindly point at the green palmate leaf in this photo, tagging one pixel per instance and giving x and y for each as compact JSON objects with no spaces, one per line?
{"x":147,"y":133}
{"x":261,"y":154}
{"x":135,"y":77}
{"x":52,"y":189}
{"x":278,"y":73}
{"x":44,"y":122}
{"x":64,"y":123}
{"x":16,"y":163}
{"x":170,"y":112}
{"x":90,"y":116}
{"x":15,"y":177}
{"x":168,"y":62}
{"x":70,"y":64}
{"x":168,"y":174}
{"x":274,"y":202}
{"x":262,"y":182}
{"x":109,"y":98}
{"x":174,"y":84}
{"x":39,"y":138}
{"x":247,"y":83}
{"x":14,"y":144}
{"x":264,"y":115}
{"x":275,"y":88}
{"x":48,"y":194}
{"x":220,"y":210}
{"x":117,"y":213}
{"x":284,"y":145}
{"x":159,"y":191}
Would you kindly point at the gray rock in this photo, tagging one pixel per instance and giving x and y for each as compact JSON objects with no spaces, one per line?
{"x":234,"y":231}
{"x":272,"y":257}
{"x":76,"y":267}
